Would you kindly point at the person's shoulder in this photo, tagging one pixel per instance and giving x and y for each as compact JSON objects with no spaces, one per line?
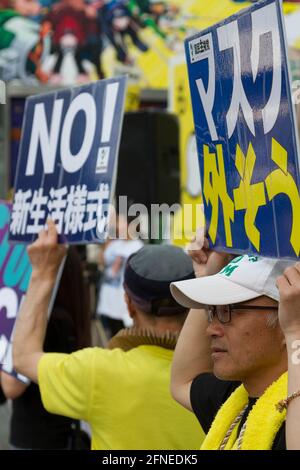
{"x":111,"y":354}
{"x":111,"y":362}
{"x":77,"y":363}
{"x":208,"y":382}
{"x":84,"y":356}
{"x":206,"y":387}
{"x":207,"y":395}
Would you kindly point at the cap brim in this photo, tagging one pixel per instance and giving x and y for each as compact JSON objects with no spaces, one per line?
{"x":210,"y":290}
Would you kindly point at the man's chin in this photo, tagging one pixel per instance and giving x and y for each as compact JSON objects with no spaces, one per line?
{"x":223,"y":374}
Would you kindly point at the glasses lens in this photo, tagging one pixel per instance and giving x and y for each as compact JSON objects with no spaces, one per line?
{"x":223,"y":313}
{"x":210,"y":309}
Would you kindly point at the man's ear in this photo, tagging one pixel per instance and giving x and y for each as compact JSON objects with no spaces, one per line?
{"x":130,"y":306}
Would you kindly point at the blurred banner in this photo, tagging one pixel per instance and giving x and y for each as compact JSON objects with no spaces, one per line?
{"x":75,"y":41}
{"x":190,"y":216}
{"x":246,"y":132}
{"x":15,"y":271}
{"x":68,"y":162}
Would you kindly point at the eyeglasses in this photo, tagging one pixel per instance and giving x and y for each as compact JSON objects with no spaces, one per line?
{"x":224,"y":312}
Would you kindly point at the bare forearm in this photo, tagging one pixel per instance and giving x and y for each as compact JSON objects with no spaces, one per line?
{"x":31,"y":323}
{"x":293,"y":411}
{"x":192,"y":353}
{"x":46,"y":257}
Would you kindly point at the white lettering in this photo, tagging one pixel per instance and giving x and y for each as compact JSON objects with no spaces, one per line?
{"x":208,"y":97}
{"x":83,"y":102}
{"x":296,"y":354}
{"x":109,"y":110}
{"x":265,"y":21}
{"x":228,"y":37}
{"x":40,"y":134}
{"x":9,"y":301}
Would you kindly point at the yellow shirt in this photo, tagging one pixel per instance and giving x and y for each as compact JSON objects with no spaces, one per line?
{"x":124,"y":396}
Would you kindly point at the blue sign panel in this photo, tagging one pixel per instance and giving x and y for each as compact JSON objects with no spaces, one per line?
{"x":245,"y":131}
{"x":68,"y":161}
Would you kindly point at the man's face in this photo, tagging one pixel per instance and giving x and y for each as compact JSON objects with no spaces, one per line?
{"x":246,"y":345}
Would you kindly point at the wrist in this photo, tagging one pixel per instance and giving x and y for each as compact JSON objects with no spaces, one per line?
{"x":44,"y":277}
{"x":292,"y":334}
{"x":292,"y":339}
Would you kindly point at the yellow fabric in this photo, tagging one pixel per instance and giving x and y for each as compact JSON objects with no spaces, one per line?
{"x":123,"y":395}
{"x":262,"y":424}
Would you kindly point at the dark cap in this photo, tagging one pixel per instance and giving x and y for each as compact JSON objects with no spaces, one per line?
{"x":148,"y":275}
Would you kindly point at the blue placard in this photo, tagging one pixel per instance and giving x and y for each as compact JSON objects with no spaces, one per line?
{"x":68,"y":161}
{"x":246,"y":136}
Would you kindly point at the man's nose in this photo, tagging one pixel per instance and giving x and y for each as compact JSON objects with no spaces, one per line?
{"x":215,"y":328}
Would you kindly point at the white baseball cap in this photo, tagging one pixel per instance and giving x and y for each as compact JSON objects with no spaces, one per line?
{"x":244,"y":278}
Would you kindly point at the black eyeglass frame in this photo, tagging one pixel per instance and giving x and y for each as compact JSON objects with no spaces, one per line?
{"x":212,"y":310}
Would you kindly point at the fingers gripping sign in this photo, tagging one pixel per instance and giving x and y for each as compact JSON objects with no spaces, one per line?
{"x":206,"y":261}
{"x":198,"y":245}
{"x":289,"y":306}
{"x":46,"y":254}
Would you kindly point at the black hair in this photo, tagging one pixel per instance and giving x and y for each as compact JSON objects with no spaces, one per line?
{"x":72,"y":295}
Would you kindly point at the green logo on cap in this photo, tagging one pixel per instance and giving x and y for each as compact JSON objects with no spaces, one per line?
{"x":228,"y":270}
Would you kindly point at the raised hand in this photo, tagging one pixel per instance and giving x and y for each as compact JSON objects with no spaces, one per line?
{"x":46,"y":254}
{"x":205,"y":260}
{"x":289,"y":304}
